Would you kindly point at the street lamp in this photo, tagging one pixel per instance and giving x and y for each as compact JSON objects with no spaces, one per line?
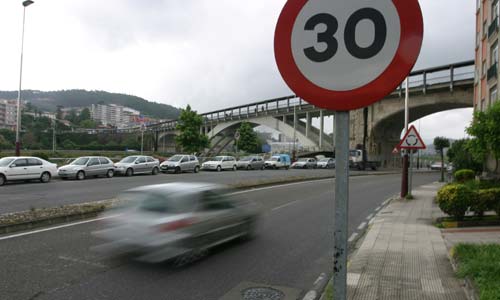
{"x":26,"y":3}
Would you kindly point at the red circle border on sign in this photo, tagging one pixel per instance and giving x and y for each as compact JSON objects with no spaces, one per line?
{"x":412,"y":30}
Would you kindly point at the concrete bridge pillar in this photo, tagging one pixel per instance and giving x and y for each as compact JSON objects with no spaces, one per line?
{"x":308,"y":123}
{"x":321,"y":127}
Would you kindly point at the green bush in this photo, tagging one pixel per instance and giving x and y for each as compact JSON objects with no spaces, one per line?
{"x":42,"y":155}
{"x":464,"y":175}
{"x":455,"y":199}
{"x":484,"y":201}
{"x":496,"y":203}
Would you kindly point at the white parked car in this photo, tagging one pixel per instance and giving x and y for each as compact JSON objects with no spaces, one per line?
{"x":181,"y":163}
{"x":220,"y":163}
{"x":26,"y":168}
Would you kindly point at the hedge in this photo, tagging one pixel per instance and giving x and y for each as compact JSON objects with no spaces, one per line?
{"x":464,"y":175}
{"x":455,"y":199}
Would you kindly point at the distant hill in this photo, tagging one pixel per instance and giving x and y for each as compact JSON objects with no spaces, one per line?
{"x":48,"y":101}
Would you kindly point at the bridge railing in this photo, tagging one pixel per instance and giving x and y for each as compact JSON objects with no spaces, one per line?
{"x":424,"y":79}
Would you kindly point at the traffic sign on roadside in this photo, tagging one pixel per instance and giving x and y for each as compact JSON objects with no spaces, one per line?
{"x":395,"y":150}
{"x":344,"y":55}
{"x":412,"y":140}
{"x":237,"y":135}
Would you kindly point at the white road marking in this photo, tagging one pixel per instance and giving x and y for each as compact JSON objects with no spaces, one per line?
{"x":280,"y":185}
{"x":54,"y":228}
{"x":378,"y":208}
{"x":369,"y":216}
{"x":284,"y":205}
{"x":81,"y":261}
{"x":353,"y":237}
{"x":362,"y":226}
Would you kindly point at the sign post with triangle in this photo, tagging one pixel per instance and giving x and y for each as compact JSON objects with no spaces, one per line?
{"x":411,"y":141}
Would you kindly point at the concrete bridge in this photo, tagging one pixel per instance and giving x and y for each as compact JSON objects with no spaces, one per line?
{"x":378,"y":126}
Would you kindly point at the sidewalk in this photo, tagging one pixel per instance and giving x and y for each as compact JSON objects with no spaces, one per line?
{"x":403,"y":256}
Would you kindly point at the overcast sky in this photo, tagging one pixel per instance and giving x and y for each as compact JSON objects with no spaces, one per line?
{"x":208,"y":53}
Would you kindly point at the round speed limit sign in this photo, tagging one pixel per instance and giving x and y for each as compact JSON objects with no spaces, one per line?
{"x":344,"y":55}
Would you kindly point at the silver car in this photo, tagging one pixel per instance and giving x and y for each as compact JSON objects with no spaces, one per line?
{"x":160,"y":222}
{"x":181,"y":163}
{"x":251,"y":163}
{"x":87,"y":166}
{"x":326,"y":163}
{"x":137,"y":164}
{"x":305,"y":163}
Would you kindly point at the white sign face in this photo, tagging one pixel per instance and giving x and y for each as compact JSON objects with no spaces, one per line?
{"x":412,"y":140}
{"x":344,"y":45}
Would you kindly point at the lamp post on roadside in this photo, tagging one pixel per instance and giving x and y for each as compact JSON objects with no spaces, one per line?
{"x":26,"y":3}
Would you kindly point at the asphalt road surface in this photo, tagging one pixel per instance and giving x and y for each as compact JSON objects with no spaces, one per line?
{"x":22,"y":196}
{"x":293,"y":246}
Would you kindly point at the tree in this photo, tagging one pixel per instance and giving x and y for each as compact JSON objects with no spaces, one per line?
{"x":462,"y":157}
{"x":440,"y":143}
{"x":190,"y":138}
{"x":485,"y":130}
{"x":248,"y":140}
{"x":84,"y":115}
{"x":88,"y":124}
{"x":69,"y":145}
{"x":59,"y":113}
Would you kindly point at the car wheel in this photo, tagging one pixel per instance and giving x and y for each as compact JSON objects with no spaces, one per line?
{"x":80,"y":175}
{"x":263,"y":167}
{"x":274,"y":167}
{"x":219,"y":169}
{"x":2,"y":180}
{"x":249,"y":231}
{"x":45,"y":177}
{"x":305,"y":167}
{"x":155,"y":171}
{"x":196,"y":169}
{"x":110,"y":173}
{"x":249,"y":168}
{"x":177,"y":170}
{"x":129,"y":172}
{"x":235,"y":168}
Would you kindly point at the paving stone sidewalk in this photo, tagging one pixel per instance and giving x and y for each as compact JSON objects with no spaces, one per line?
{"x":403,"y":256}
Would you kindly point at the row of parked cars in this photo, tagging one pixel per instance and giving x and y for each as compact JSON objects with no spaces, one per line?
{"x":29,"y":168}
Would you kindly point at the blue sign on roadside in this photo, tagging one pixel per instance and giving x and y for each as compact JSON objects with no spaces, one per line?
{"x":266,"y":148}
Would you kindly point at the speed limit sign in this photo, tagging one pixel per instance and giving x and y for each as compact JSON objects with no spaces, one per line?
{"x":344,"y":55}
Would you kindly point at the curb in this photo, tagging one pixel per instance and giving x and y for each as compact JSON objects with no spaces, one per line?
{"x":318,"y":287}
{"x":351,"y":246}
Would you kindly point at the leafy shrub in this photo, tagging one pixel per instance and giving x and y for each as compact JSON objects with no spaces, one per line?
{"x":455,"y":199}
{"x":42,"y":155}
{"x":496,"y":204}
{"x":484,"y":201}
{"x":464,"y":175}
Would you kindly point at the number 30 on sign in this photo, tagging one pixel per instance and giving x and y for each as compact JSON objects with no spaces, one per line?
{"x":344,"y":55}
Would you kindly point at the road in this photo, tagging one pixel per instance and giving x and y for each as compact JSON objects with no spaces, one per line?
{"x":293,"y":246}
{"x":22,"y":196}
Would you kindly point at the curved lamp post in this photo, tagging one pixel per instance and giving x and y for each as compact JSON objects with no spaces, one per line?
{"x":26,"y":3}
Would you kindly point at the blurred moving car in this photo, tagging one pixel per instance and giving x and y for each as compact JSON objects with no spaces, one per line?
{"x":278,"y":161}
{"x":26,"y":168}
{"x":181,"y":163}
{"x":160,"y":222}
{"x":305,"y":163}
{"x":251,"y":163}
{"x":326,"y":163}
{"x":220,"y":163}
{"x":87,"y":166}
{"x":137,"y":164}
{"x":437,"y":165}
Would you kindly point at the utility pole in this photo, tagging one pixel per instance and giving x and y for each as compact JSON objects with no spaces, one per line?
{"x":404,"y":181}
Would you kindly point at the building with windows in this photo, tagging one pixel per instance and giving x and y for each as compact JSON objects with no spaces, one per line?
{"x":487,"y":68}
{"x":8,"y":114}
{"x":113,"y":115}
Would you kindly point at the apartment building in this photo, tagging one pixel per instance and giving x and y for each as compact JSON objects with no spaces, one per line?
{"x":113,"y":115}
{"x":487,"y":70}
{"x":8,"y":114}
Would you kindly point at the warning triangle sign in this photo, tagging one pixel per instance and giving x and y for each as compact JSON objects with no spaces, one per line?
{"x":412,"y":140}
{"x":395,"y":150}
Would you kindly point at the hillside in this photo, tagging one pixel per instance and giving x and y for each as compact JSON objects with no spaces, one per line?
{"x":48,"y":101}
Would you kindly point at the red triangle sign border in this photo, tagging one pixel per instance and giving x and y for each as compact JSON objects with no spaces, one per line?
{"x":412,"y":128}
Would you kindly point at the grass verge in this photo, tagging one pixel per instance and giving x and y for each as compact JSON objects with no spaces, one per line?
{"x":481,"y":264}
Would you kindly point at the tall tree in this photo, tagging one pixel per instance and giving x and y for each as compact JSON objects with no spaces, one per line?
{"x":440,"y":143}
{"x":190,"y":138}
{"x":462,"y":157}
{"x":85,"y":115}
{"x":485,"y":130}
{"x":248,"y":141}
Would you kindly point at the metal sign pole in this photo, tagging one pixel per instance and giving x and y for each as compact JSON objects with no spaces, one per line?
{"x":341,"y":205}
{"x":410,"y":173}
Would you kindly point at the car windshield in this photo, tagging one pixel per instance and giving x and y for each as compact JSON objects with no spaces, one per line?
{"x":274,"y":158}
{"x":5,"y":161}
{"x":303,"y":159}
{"x":175,"y":158}
{"x":80,"y":161}
{"x":128,"y":160}
{"x":324,"y":160}
{"x":170,"y":203}
{"x":249,"y":158}
{"x":218,"y":158}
